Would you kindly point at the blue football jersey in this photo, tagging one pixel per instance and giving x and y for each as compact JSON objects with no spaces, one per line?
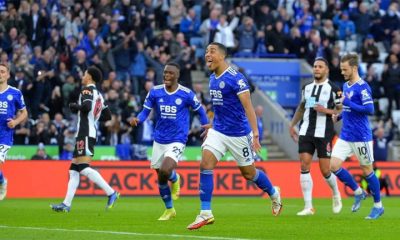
{"x":11,"y":101}
{"x":356,"y":127}
{"x":229,"y":115}
{"x":171,"y":113}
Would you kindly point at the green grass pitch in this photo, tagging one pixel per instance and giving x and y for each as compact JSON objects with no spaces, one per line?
{"x":235,"y":218}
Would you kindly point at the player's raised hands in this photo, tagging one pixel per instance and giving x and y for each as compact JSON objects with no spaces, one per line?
{"x":134,"y":122}
{"x":293,"y":133}
{"x":204,"y":133}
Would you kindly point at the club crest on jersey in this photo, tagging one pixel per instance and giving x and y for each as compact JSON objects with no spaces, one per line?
{"x":9,"y":97}
{"x":350,"y":94}
{"x":87,"y":92}
{"x":365,"y":95}
{"x":222,"y":84}
{"x":178,"y":101}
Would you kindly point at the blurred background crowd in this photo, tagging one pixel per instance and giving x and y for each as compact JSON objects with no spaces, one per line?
{"x":50,"y":43}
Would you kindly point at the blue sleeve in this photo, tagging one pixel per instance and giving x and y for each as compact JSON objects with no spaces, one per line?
{"x":143,"y":115}
{"x":203,"y":115}
{"x":367,"y":108}
{"x":193,"y":101}
{"x":149,"y":101}
{"x":240,"y":84}
{"x":19,"y":101}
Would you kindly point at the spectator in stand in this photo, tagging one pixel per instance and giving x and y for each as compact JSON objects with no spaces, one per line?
{"x":381,"y":143}
{"x":390,"y":23}
{"x":276,"y":39}
{"x":328,"y":31}
{"x":36,"y":24}
{"x":362,"y":20}
{"x":190,"y":24}
{"x":391,"y":83}
{"x":176,"y":13}
{"x":22,"y":133}
{"x":138,"y":69}
{"x":369,"y":50}
{"x":225,"y":30}
{"x":41,"y":153}
{"x":264,"y":19}
{"x":247,"y":34}
{"x":304,"y":19}
{"x":208,"y":27}
{"x":68,"y":144}
{"x":345,"y":26}
{"x":297,"y":44}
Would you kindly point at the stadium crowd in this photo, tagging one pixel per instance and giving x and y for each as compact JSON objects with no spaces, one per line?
{"x":49,"y":44}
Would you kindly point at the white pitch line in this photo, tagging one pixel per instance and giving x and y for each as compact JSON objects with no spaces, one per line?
{"x":122,"y":233}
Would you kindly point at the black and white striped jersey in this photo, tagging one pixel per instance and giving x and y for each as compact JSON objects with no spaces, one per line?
{"x":87,"y":119}
{"x":315,"y":124}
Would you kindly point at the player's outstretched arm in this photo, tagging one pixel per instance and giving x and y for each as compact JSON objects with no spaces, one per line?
{"x":204,"y":121}
{"x":251,"y":116}
{"x":141,"y":117}
{"x":23,"y":114}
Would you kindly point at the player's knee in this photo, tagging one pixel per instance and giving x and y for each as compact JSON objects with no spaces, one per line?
{"x":335,"y":165}
{"x":206,"y":164}
{"x":248,"y":176}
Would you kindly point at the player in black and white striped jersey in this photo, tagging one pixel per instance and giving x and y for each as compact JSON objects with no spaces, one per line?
{"x":90,"y":109}
{"x":320,"y":99}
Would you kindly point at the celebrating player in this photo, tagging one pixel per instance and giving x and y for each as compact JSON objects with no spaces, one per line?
{"x":356,"y":135}
{"x":90,"y":109}
{"x":234,"y":129}
{"x":171,"y":103}
{"x":12,"y":113}
{"x":320,"y":100}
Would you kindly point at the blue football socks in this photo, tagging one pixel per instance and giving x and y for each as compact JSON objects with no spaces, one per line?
{"x":374,"y":186}
{"x":165,"y":194}
{"x":1,"y":177}
{"x":346,"y":178}
{"x":262,"y":181}
{"x":174,"y":177}
{"x":206,"y":188}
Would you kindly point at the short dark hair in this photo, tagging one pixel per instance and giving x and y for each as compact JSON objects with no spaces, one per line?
{"x":5,"y":65}
{"x":173,"y":64}
{"x":95,"y":73}
{"x":322,"y":59}
{"x":220,"y":47}
{"x":352,"y":58}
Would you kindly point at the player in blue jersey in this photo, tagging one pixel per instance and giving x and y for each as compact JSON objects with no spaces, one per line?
{"x":234,"y":129}
{"x":356,"y":135}
{"x":171,"y":103}
{"x":12,"y":113}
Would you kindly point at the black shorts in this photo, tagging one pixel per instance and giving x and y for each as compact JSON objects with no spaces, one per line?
{"x":309,"y":144}
{"x":84,"y":146}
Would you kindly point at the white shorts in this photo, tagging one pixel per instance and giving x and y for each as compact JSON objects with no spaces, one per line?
{"x":3,"y":152}
{"x":363,"y":151}
{"x":239,"y":147}
{"x":160,"y":151}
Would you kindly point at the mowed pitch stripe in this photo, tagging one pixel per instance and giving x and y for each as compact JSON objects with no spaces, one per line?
{"x":122,"y":233}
